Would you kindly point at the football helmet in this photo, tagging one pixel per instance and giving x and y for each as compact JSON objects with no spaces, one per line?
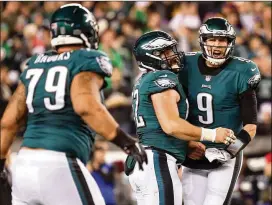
{"x":74,"y":24}
{"x":157,"y":50}
{"x":216,"y":27}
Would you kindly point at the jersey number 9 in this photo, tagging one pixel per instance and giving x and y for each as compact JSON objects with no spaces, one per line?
{"x":204,"y":104}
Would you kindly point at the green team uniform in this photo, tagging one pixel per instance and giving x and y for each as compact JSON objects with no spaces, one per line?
{"x":149,"y":130}
{"x":52,"y":122}
{"x":214,"y":100}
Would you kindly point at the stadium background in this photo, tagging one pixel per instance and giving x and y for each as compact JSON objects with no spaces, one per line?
{"x":24,"y":32}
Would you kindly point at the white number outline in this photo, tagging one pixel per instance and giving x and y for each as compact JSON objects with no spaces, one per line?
{"x":35,"y":74}
{"x":208,"y":109}
{"x":140,"y":122}
{"x":242,"y":59}
{"x":59,"y":88}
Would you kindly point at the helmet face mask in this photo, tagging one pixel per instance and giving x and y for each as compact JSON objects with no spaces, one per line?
{"x":216,"y":29}
{"x":74,"y":24}
{"x":157,"y":50}
{"x":171,"y":57}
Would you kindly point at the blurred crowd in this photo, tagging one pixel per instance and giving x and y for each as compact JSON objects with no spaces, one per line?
{"x":25,"y":31}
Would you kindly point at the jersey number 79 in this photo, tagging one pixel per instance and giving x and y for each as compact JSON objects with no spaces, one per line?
{"x":52,"y":85}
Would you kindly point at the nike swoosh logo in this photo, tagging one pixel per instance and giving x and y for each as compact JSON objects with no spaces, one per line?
{"x":252,"y":69}
{"x":163,"y":76}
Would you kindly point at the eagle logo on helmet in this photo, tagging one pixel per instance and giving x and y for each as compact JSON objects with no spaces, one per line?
{"x":157,"y":43}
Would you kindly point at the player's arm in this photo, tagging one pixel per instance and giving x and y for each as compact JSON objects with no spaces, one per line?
{"x":13,"y":117}
{"x":248,"y":109}
{"x":248,"y":100}
{"x":85,"y":95}
{"x":166,"y":108}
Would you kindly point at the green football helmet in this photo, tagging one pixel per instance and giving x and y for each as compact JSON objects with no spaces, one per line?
{"x":150,"y":51}
{"x":74,"y":24}
{"x":216,"y":27}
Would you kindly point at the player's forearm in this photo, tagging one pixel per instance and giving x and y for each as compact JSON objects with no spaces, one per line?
{"x":100,"y":120}
{"x":251,"y":129}
{"x":8,"y":133}
{"x":184,"y":130}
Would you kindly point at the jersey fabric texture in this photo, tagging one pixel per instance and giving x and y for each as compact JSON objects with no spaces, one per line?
{"x":214,"y":100}
{"x":149,"y":130}
{"x":52,"y":123}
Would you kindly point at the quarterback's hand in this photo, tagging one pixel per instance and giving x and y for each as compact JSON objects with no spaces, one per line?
{"x":138,"y":153}
{"x":196,"y":150}
{"x":224,"y":135}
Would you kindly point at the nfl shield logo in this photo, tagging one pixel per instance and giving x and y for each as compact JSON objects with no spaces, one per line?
{"x":208,"y":78}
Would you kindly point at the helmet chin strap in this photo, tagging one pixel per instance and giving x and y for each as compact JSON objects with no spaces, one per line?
{"x":175,"y":67}
{"x":215,"y":61}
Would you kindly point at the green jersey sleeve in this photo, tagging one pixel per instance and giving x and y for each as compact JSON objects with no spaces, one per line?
{"x":160,"y":81}
{"x":249,"y":78}
{"x":93,"y":61}
{"x":23,"y":74}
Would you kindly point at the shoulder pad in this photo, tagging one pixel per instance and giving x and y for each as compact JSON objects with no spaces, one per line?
{"x":254,"y":81}
{"x":191,"y":53}
{"x":191,"y":57}
{"x":91,"y":52}
{"x":94,"y":60}
{"x":161,"y":80}
{"x":249,"y":73}
{"x":242,"y":60}
{"x":165,"y":83}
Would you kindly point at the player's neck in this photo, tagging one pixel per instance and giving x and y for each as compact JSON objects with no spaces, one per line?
{"x":63,"y":49}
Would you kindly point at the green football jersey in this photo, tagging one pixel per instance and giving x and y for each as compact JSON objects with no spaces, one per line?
{"x":52,"y":122}
{"x":149,"y":130}
{"x":214,"y":100}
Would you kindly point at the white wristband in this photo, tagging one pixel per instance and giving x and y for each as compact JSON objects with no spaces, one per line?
{"x":208,"y":134}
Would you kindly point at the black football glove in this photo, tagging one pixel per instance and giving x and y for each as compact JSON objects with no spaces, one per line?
{"x":3,"y":174}
{"x":5,"y":189}
{"x":138,"y":153}
{"x":131,"y":147}
{"x":2,"y":166}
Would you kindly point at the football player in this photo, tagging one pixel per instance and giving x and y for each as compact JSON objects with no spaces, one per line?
{"x":221,"y":93}
{"x":160,"y":109}
{"x":59,"y":96}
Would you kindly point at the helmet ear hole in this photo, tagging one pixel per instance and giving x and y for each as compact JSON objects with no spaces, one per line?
{"x":156,"y":53}
{"x":163,"y":66}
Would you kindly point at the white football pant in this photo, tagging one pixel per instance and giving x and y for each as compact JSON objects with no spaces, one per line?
{"x":52,"y":178}
{"x":211,"y":187}
{"x":159,"y":183}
